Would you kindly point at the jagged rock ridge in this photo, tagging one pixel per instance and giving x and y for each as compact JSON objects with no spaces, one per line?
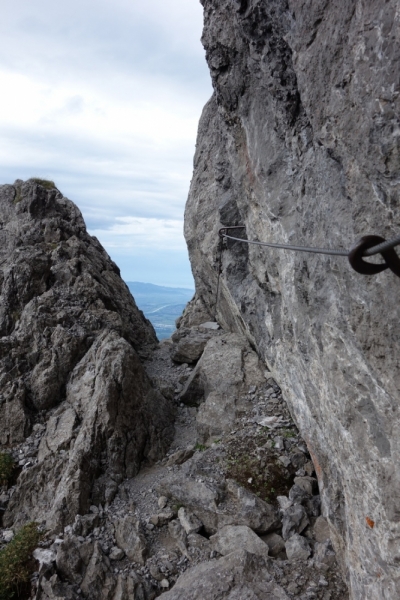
{"x":300,"y":144}
{"x":71,"y":336}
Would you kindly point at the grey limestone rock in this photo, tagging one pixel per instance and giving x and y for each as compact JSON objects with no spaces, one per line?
{"x":53,"y":588}
{"x":299,"y":143}
{"x":189,"y":347}
{"x":220,"y":505}
{"x":239,"y":575}
{"x":71,"y":338}
{"x":59,"y":289}
{"x":294,"y":520}
{"x":321,"y":529}
{"x":233,"y":537}
{"x":98,"y":582}
{"x":115,"y":404}
{"x":297,"y":547}
{"x":73,"y":558}
{"x":189,"y":521}
{"x":116,"y":553}
{"x":130,"y":539}
{"x":324,"y":552}
{"x":221,"y":377}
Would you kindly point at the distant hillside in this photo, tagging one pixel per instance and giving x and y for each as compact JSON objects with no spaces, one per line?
{"x":161,"y":305}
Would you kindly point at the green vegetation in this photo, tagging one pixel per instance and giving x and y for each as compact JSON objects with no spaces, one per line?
{"x":288,"y":433}
{"x":46,"y":183}
{"x":18,"y":196}
{"x":252,"y":462}
{"x":17,"y":563}
{"x":6,"y":468}
{"x":200,"y":447}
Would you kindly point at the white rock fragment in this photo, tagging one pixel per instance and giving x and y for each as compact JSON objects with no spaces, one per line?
{"x":210,"y":325}
{"x":116,"y":553}
{"x":231,"y":537}
{"x":45,"y":557}
{"x":189,"y":521}
{"x":8,"y":535}
{"x":162,"y":502}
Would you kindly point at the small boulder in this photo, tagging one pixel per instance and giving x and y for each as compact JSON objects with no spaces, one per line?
{"x":162,"y":502}
{"x":165,"y":517}
{"x":297,"y":548}
{"x":116,"y":553}
{"x":308,"y":484}
{"x":180,"y":456}
{"x":8,"y":535}
{"x":179,"y":535}
{"x":130,"y":539}
{"x":189,"y":521}
{"x":189,"y":348}
{"x":324,"y":553}
{"x":295,"y":520}
{"x":45,"y":557}
{"x":231,"y":537}
{"x":321,"y":529}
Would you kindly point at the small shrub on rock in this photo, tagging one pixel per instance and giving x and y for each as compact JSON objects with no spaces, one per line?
{"x":6,"y":468}
{"x":46,"y":183}
{"x":17,"y":563}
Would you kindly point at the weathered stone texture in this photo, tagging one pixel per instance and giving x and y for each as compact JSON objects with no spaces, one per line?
{"x":71,"y":337}
{"x":300,"y":143}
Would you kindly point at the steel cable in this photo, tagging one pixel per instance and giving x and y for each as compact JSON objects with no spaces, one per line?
{"x":287,"y":247}
{"x":382,"y":247}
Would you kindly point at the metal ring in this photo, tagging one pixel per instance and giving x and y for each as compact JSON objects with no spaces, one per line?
{"x":356,"y":259}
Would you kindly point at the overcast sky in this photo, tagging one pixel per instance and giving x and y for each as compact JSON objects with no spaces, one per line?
{"x":104,"y":98}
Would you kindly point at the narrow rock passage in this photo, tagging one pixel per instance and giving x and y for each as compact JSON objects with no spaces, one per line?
{"x":231,"y":511}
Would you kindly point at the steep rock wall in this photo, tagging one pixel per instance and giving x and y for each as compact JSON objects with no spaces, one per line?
{"x":300,"y":143}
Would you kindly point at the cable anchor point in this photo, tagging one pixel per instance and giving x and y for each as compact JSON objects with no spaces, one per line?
{"x":357,"y":254}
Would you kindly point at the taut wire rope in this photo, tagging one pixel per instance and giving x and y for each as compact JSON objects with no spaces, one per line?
{"x":368,"y":245}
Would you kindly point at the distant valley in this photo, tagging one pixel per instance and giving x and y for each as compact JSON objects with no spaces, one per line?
{"x":161,"y":305}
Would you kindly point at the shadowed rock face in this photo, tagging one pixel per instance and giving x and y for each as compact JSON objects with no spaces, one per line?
{"x":71,"y":337}
{"x":300,"y":143}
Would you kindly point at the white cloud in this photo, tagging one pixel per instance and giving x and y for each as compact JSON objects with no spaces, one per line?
{"x":137,"y":232}
{"x":104,"y":98}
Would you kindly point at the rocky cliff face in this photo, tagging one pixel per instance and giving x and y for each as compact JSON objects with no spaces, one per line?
{"x":300,"y":143}
{"x":89,"y":398}
{"x":76,"y":405}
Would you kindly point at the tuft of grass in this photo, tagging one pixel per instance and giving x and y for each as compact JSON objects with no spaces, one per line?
{"x":7,"y":466}
{"x":18,"y":196}
{"x":17,"y":563}
{"x":200,"y":447}
{"x":288,"y":433}
{"x":46,"y":183}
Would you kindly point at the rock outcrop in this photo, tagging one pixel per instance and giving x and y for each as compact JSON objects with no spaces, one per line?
{"x":300,"y":144}
{"x":76,"y":404}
